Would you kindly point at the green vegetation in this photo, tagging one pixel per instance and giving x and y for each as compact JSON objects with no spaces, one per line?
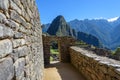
{"x":117,"y":51}
{"x":80,"y":42}
{"x":54,"y":51}
{"x":114,"y":52}
{"x":51,"y":58}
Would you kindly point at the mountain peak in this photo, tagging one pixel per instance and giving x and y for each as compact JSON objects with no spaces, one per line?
{"x":59,"y":27}
{"x":59,"y":17}
{"x":75,"y":20}
{"x":113,"y":19}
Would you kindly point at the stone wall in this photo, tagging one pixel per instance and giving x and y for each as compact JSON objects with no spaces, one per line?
{"x":94,"y":67}
{"x":63,"y":45}
{"x":21,"y":50}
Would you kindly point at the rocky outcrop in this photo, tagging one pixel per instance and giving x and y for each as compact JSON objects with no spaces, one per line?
{"x":59,"y":27}
{"x":21,"y":50}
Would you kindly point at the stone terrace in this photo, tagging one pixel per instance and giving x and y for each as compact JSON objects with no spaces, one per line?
{"x":21,"y":47}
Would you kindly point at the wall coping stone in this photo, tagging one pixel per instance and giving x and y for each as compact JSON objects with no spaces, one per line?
{"x":103,"y":60}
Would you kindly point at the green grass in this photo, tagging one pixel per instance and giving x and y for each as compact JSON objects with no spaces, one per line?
{"x":51,"y":58}
{"x":54,"y":51}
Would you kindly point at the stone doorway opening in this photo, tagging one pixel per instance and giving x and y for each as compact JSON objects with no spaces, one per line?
{"x":63,"y":47}
{"x":54,"y":51}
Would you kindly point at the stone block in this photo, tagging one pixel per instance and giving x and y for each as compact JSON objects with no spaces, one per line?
{"x":14,"y":25}
{"x":19,"y":68}
{"x":5,"y":32}
{"x":5,"y":47}
{"x":2,"y":17}
{"x":21,"y":51}
{"x":25,"y":14}
{"x":6,"y":69}
{"x":17,"y":2}
{"x":18,"y":42}
{"x":22,"y":29}
{"x":29,"y":12}
{"x":4,"y":4}
{"x":18,"y":35}
{"x":15,"y":7}
{"x":1,"y":31}
{"x":16,"y":17}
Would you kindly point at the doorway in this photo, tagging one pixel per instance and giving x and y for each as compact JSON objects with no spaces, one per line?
{"x":54,"y":51}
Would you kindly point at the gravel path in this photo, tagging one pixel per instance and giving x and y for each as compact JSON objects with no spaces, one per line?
{"x":62,"y":71}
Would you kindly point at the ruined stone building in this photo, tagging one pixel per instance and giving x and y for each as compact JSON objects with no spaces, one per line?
{"x":21,"y":47}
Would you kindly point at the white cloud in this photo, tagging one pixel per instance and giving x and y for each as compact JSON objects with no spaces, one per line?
{"x":112,"y":19}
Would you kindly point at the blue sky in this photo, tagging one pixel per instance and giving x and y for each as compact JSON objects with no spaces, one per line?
{"x":77,"y":9}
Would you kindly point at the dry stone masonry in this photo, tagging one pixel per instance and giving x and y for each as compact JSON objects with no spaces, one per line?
{"x":21,"y":47}
{"x":94,"y":67}
{"x":63,"y":45}
{"x":21,"y":50}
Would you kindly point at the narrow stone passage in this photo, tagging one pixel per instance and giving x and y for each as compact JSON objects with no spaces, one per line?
{"x":62,"y":71}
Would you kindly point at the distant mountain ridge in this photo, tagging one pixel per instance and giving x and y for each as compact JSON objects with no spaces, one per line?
{"x":45,"y":27}
{"x":59,"y":27}
{"x":106,"y":31}
{"x":89,"y":39}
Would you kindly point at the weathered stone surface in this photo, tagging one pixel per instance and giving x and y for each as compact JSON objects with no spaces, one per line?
{"x":97,"y":67}
{"x":21,"y":51}
{"x":13,"y":25}
{"x":5,"y":31}
{"x":118,"y":70}
{"x":29,"y":12}
{"x":22,"y":29}
{"x":17,"y":2}
{"x":19,"y":68}
{"x":6,"y":69}
{"x":16,"y":17}
{"x":5,"y":47}
{"x":63,"y":43}
{"x":2,"y":17}
{"x":18,"y":35}
{"x":1,"y":31}
{"x":29,"y":26}
{"x":4,"y":4}
{"x":24,"y":2}
{"x":18,"y":42}
{"x":15,"y":7}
